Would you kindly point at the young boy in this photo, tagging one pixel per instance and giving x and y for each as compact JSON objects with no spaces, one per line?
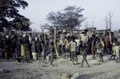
{"x":99,"y":49}
{"x":72,"y":45}
{"x":116,"y":49}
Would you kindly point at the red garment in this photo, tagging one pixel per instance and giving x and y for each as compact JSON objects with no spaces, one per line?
{"x":106,"y":40}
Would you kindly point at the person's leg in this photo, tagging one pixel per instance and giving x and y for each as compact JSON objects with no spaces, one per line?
{"x":114,"y":57}
{"x":86,"y":61}
{"x":19,"y":53}
{"x":26,"y":59}
{"x":76,"y":51}
{"x":28,"y":55}
{"x":62,"y":50}
{"x":111,"y":57}
{"x":101,"y":57}
{"x":108,"y":50}
{"x":76,"y":58}
{"x":6,"y":55}
{"x":51,"y":59}
{"x":67,"y":52}
{"x":70,"y":56}
{"x":43,"y":56}
{"x":30,"y":49}
{"x":83,"y":60}
{"x":93,"y":54}
{"x":105,"y":50}
{"x":117,"y":53}
{"x":117,"y":59}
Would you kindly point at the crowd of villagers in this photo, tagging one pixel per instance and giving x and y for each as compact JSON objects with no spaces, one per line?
{"x":27,"y":47}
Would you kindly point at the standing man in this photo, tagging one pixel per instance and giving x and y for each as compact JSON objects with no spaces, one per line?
{"x":107,"y":47}
{"x":18,"y":48}
{"x":22,"y":42}
{"x":77,"y":40}
{"x":27,"y":52}
{"x":84,"y":47}
{"x":83,"y":51}
{"x":13,"y":44}
{"x":30,"y":45}
{"x":65,"y":46}
{"x":7,"y":47}
{"x":36,"y":43}
{"x":43,"y":51}
{"x":52,"y":50}
{"x":93,"y":45}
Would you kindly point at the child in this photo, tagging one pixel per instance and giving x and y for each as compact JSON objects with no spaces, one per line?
{"x":113,"y":52}
{"x":72,"y":45}
{"x":116,"y":49}
{"x":99,"y":50}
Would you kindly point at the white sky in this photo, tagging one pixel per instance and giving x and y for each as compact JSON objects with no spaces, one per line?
{"x":95,"y":11}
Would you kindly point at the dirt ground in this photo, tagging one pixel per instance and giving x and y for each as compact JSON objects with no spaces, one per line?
{"x":109,"y":69}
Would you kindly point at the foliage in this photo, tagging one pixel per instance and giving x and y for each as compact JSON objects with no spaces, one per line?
{"x":9,"y":14}
{"x":20,"y":24}
{"x":70,"y":17}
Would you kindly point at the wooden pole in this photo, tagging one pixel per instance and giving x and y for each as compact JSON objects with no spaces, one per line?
{"x":55,"y":45}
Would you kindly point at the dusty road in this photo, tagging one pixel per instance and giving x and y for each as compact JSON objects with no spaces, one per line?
{"x":38,"y":70}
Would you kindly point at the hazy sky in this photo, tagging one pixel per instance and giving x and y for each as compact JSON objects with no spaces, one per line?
{"x":95,"y":11}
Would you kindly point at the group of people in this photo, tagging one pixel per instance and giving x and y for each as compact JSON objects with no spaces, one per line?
{"x":26,"y":46}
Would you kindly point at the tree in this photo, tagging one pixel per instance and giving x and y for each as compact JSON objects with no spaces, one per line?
{"x":110,"y":15}
{"x":70,"y":17}
{"x":108,"y":21}
{"x":20,"y":24}
{"x":9,"y":14}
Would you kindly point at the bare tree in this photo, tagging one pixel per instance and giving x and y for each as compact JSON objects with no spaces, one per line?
{"x":108,"y":20}
{"x":110,"y":16}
